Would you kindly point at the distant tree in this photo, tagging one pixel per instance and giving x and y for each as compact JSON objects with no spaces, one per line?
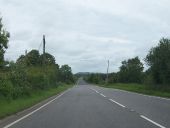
{"x":113,"y":77}
{"x":97,"y":78}
{"x":158,"y":59}
{"x":21,"y":60}
{"x":131,"y":71}
{"x":49,"y":59}
{"x":66,"y":74}
{"x":4,"y":38}
{"x":33,"y":58}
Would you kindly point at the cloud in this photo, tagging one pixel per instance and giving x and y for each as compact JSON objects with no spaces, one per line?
{"x":85,"y":33}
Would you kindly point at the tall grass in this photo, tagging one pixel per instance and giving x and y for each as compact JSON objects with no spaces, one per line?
{"x":8,"y":107}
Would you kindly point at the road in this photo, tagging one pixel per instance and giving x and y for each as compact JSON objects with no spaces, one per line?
{"x":87,"y":106}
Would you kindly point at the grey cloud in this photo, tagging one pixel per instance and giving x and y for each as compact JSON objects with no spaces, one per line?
{"x":85,"y":33}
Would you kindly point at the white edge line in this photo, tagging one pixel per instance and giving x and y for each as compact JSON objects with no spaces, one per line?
{"x":102,"y":95}
{"x":11,"y":124}
{"x":156,"y":97}
{"x":117,"y":103}
{"x":153,"y":122}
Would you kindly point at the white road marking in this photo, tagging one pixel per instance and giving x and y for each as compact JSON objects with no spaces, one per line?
{"x":109,"y":99}
{"x":155,"y":97}
{"x":97,"y":91}
{"x":94,"y":90}
{"x":117,"y":103}
{"x":102,"y":95}
{"x":153,"y":122}
{"x":11,"y":124}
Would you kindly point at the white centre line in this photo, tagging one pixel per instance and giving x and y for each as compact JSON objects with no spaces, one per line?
{"x":110,"y":99}
{"x":102,"y":95}
{"x":117,"y":103}
{"x":96,"y":91}
{"x":153,"y":122}
{"x":11,"y":124}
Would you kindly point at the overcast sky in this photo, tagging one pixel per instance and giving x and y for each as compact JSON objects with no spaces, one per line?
{"x":86,"y":33}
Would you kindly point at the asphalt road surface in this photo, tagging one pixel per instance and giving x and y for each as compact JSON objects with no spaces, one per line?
{"x":87,"y":106}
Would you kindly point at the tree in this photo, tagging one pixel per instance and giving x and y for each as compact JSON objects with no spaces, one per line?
{"x":21,"y":60}
{"x":158,"y":59}
{"x":4,"y":38}
{"x":96,"y":78}
{"x":49,"y":59}
{"x":131,"y":71}
{"x":113,"y":77}
{"x":33,"y":58}
{"x":66,"y":74}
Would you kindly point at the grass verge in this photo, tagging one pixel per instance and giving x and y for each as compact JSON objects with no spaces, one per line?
{"x":8,"y":107}
{"x":139,"y":88}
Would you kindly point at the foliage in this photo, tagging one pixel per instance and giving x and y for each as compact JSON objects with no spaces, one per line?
{"x":13,"y":83}
{"x":21,"y":60}
{"x":131,"y":71}
{"x":158,"y":59}
{"x":21,"y":81}
{"x":33,"y":58}
{"x":113,"y":77}
{"x":49,"y":59}
{"x":97,"y":78}
{"x":66,"y":74}
{"x":4,"y":38}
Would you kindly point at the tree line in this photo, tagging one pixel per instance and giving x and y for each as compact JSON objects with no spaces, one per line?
{"x":132,"y":70}
{"x":30,"y":72}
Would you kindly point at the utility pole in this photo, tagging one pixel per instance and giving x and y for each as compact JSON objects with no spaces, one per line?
{"x":25,"y":52}
{"x":44,"y":49}
{"x":44,"y":60}
{"x":107,"y":77}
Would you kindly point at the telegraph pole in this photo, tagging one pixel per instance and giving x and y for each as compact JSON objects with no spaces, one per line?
{"x":44,"y":49}
{"x":107,"y":77}
{"x":44,"y":59}
{"x":25,"y":52}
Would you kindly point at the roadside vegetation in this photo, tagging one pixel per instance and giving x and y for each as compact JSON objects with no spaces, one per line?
{"x":132,"y":77}
{"x":32,"y":78}
{"x":8,"y":107}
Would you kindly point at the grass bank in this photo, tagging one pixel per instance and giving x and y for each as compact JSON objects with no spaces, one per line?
{"x":139,"y":88}
{"x":8,"y":107}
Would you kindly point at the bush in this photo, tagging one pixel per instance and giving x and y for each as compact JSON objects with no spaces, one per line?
{"x":148,"y":80}
{"x":37,"y":81}
{"x":20,"y":80}
{"x":6,"y":89}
